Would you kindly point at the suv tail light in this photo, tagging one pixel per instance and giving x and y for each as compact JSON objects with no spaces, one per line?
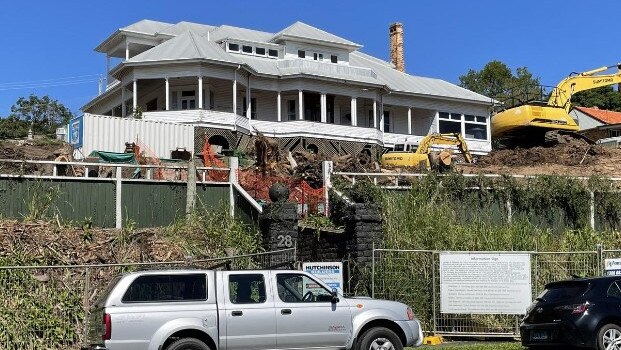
{"x":107,"y":327}
{"x":410,"y":314}
{"x":576,"y":309}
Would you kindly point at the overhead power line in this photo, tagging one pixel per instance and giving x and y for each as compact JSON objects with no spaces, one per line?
{"x":44,"y":83}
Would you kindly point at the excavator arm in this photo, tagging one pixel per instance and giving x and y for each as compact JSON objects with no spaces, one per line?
{"x":561,"y":96}
{"x":452,"y":139}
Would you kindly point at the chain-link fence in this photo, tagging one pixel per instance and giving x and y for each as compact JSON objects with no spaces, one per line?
{"x":413,"y":277}
{"x":46,"y":307}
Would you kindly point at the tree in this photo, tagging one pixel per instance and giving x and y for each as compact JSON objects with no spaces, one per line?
{"x":496,"y":80}
{"x":11,"y":128}
{"x":604,"y":97}
{"x":42,"y":113}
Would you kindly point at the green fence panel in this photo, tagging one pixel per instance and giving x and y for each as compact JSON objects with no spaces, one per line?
{"x":212,"y":196}
{"x":70,"y":200}
{"x":152,"y":204}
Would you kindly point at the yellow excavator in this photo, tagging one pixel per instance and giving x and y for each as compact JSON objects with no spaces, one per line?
{"x":420,"y":155}
{"x":537,"y":121}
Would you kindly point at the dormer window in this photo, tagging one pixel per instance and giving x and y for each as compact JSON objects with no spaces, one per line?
{"x":233,"y":47}
{"x":301,"y":54}
{"x":273,"y":53}
{"x":247,"y":49}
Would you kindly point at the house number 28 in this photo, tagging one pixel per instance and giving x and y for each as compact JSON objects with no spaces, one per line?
{"x":284,"y":241}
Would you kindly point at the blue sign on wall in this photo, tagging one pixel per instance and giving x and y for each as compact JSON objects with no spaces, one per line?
{"x":76,"y":132}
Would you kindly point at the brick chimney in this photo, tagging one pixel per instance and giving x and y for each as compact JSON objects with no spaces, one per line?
{"x":396,"y":46}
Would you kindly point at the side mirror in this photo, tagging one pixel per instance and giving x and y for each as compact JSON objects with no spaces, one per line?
{"x":335,"y":296}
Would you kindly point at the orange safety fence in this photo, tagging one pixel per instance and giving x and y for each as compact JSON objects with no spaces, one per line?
{"x":211,"y":160}
{"x":310,"y":200}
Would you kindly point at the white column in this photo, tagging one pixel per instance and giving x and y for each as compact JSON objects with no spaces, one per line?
{"x":123,"y":109}
{"x":279,"y":107}
{"x":324,"y":111}
{"x":300,"y":105}
{"x":409,"y":121}
{"x":200,"y":92}
{"x":235,"y":96}
{"x":381,"y":121}
{"x":135,"y":97}
{"x":354,"y":116}
{"x":107,"y":65}
{"x":167,"y":84}
{"x":248,"y":103}
{"x":374,"y":114}
{"x":126,"y":49}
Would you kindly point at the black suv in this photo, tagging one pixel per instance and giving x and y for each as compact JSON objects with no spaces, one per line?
{"x":583,"y":312}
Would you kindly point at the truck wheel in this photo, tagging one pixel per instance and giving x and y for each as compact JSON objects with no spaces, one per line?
{"x":187,"y":344}
{"x":608,"y":335}
{"x":379,"y":338}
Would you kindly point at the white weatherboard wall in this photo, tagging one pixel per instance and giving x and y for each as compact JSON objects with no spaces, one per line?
{"x":103,"y":133}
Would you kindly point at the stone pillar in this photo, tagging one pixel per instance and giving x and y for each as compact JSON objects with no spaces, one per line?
{"x":167,"y":84}
{"x":301,"y":105}
{"x":324,"y":111}
{"x":279,"y":220}
{"x":279,"y":107}
{"x":363,"y":226}
{"x":200,"y":92}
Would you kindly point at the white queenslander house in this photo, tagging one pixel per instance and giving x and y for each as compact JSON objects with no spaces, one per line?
{"x":304,"y":86}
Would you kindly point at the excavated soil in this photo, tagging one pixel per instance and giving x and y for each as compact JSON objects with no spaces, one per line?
{"x":573,"y":157}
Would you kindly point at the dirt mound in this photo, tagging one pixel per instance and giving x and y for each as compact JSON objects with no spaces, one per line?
{"x":573,"y":157}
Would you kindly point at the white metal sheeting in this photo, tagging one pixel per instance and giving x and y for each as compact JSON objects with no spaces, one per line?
{"x":103,"y":133}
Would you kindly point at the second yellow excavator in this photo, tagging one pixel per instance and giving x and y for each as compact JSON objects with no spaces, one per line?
{"x":420,"y":155}
{"x":536,"y":121}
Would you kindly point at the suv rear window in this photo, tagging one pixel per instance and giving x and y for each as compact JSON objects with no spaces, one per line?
{"x":157,"y":288}
{"x":563,"y":291}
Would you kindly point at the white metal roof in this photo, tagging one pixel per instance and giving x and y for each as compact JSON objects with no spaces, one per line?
{"x":198,"y":41}
{"x":301,"y":30}
{"x":147,"y":26}
{"x":185,"y":46}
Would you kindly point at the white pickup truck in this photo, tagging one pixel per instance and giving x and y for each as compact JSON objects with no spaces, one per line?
{"x":243,"y":310}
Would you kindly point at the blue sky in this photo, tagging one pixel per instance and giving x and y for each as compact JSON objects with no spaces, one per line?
{"x":47,"y":42}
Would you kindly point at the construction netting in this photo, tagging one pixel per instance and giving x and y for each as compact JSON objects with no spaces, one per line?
{"x":310,"y":200}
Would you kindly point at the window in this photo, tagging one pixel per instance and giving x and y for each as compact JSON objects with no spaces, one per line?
{"x":330,"y":108}
{"x":291,"y":110}
{"x":449,"y":122}
{"x":318,"y":56}
{"x":334,"y":59}
{"x":387,"y":121}
{"x":158,"y":288}
{"x":298,"y":288}
{"x":315,"y":56}
{"x":301,"y":54}
{"x":212,"y":99}
{"x":371,"y":119}
{"x":272,"y":53}
{"x":469,"y":118}
{"x":321,"y":57}
{"x":475,"y":131}
{"x":614,"y":133}
{"x":233,"y":47}
{"x":247,"y":289}
{"x":246,"y":49}
{"x":259,"y":51}
{"x":614,"y":290}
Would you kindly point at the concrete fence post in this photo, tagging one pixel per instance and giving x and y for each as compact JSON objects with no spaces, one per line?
{"x":233,"y":180}
{"x":119,"y":204}
{"x":509,"y":206}
{"x":191,"y":188}
{"x":326,"y":168}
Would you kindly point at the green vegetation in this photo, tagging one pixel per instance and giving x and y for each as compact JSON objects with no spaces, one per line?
{"x":477,"y":346}
{"x":42,"y":113}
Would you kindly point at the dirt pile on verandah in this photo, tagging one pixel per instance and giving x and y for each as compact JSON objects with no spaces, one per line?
{"x":573,"y":157}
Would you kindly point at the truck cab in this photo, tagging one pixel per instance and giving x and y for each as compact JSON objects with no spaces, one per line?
{"x":250,"y":310}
